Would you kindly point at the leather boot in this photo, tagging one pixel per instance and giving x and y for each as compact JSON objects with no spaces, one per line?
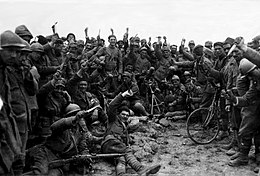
{"x":149,"y":170}
{"x":120,"y":167}
{"x":234,"y":156}
{"x":233,"y":142}
{"x":241,"y":160}
{"x":232,"y":151}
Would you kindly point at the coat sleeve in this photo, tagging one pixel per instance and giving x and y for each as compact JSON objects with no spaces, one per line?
{"x":63,"y":124}
{"x":249,"y":97}
{"x":253,"y":56}
{"x":113,"y":106}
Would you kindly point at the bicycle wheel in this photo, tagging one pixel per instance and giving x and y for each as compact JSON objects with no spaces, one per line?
{"x":196,"y":128}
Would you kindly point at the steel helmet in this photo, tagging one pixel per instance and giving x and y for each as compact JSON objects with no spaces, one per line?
{"x":71,"y":110}
{"x":37,"y":47}
{"x":10,"y":39}
{"x":27,"y":46}
{"x":246,"y":66}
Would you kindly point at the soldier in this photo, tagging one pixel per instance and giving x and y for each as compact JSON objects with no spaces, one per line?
{"x":68,"y":138}
{"x":227,"y":76}
{"x":250,"y":104}
{"x":117,"y":139}
{"x":175,"y":99}
{"x":134,"y":101}
{"x":164,"y":62}
{"x":78,"y":89}
{"x":142,"y":63}
{"x":113,"y":57}
{"x":53,"y":50}
{"x":17,"y":84}
{"x":52,"y":101}
{"x":71,"y":65}
{"x":40,"y":60}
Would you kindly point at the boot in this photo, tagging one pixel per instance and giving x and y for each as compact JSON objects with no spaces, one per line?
{"x":149,"y":170}
{"x":232,"y":143}
{"x":132,"y":161}
{"x":120,"y":167}
{"x":138,"y":167}
{"x":232,"y":151}
{"x":241,"y":160}
{"x":222,"y":135}
{"x":234,"y":156}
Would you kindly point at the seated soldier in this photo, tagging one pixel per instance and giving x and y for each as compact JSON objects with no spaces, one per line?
{"x":68,"y":139}
{"x":194,"y":95}
{"x":78,"y":89}
{"x":117,"y":139}
{"x":134,"y":101}
{"x":175,"y":99}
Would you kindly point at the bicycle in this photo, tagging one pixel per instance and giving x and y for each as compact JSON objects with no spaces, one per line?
{"x":203,"y":124}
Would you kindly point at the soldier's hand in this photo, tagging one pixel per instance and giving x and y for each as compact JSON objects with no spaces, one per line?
{"x":230,"y":96}
{"x":239,"y":41}
{"x":128,"y":93}
{"x":57,"y":75}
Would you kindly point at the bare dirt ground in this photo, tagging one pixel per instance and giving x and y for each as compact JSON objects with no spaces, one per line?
{"x":177,"y":154}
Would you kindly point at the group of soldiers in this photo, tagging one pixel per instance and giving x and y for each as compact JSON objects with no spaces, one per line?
{"x":62,"y":97}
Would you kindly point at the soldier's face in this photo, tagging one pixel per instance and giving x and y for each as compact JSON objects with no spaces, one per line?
{"x":175,"y":82}
{"x":112,"y":41}
{"x":166,"y":53}
{"x":218,"y":50}
{"x":83,"y":86}
{"x":143,"y":53}
{"x":10,"y":56}
{"x":124,"y":116}
{"x":237,"y":54}
{"x":226,"y":48}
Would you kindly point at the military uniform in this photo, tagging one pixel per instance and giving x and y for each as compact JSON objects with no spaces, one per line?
{"x":117,"y":141}
{"x":68,"y":139}
{"x":51,"y":107}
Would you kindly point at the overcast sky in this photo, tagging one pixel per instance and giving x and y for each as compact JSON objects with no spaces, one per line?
{"x":198,"y":20}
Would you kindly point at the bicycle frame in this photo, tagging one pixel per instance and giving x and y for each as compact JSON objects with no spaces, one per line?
{"x":213,"y":109}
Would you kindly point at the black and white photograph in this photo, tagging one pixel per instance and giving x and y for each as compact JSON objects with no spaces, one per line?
{"x":130,"y":87}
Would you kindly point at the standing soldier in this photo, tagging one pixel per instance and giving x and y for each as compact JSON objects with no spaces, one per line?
{"x":112,"y":62}
{"x":17,"y":84}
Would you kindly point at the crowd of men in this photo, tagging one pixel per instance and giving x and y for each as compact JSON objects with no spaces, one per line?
{"x":62,"y":97}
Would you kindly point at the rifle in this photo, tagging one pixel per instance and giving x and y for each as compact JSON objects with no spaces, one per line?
{"x":62,"y":162}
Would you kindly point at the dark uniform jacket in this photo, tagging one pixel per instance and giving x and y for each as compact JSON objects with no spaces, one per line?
{"x":116,"y":129}
{"x":67,"y":139}
{"x":51,"y":107}
{"x":14,"y":116}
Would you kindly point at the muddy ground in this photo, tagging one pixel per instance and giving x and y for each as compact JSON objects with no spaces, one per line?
{"x":178,"y":155}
